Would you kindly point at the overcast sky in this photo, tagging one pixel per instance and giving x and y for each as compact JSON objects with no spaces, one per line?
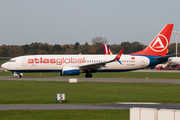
{"x":70,"y":21}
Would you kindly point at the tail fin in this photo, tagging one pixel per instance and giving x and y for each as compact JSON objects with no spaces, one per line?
{"x":107,"y":51}
{"x":168,"y":52}
{"x":159,"y":46}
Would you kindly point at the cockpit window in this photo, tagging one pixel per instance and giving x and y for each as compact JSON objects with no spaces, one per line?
{"x":12,"y":61}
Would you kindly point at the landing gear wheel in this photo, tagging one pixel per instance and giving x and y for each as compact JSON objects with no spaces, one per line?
{"x":19,"y":76}
{"x":88,"y":75}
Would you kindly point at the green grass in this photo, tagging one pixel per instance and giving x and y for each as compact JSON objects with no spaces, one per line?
{"x":150,"y":75}
{"x":65,"y":115}
{"x":44,"y":92}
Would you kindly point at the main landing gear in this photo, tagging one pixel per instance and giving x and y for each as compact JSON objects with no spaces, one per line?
{"x":19,"y":75}
{"x":88,"y":75}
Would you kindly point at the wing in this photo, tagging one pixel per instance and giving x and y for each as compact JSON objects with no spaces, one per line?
{"x":95,"y":66}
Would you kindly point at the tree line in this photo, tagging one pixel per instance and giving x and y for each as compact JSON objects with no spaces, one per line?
{"x":95,"y":48}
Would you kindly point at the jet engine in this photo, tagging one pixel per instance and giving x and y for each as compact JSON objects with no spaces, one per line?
{"x":70,"y":70}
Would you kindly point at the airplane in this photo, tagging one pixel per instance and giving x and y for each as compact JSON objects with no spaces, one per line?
{"x":106,"y":50}
{"x":68,"y":65}
{"x":172,"y":60}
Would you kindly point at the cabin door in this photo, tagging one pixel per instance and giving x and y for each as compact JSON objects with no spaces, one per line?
{"x":24,"y":61}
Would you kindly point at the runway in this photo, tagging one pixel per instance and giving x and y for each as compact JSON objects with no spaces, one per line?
{"x":128,"y":80}
{"x":84,"y":106}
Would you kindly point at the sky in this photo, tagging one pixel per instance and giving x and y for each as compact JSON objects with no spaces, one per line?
{"x":70,"y":21}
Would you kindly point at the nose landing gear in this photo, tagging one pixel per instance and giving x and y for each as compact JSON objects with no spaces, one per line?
{"x":19,"y":75}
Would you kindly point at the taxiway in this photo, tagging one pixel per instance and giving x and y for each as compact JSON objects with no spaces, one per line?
{"x":130,"y":80}
{"x":84,"y":106}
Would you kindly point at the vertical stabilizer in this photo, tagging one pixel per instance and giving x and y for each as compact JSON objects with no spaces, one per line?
{"x":107,"y":51}
{"x":159,"y":46}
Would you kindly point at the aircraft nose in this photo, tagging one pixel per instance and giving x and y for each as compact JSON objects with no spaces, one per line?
{"x":4,"y":65}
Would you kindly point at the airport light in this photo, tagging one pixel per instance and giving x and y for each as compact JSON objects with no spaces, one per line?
{"x":176,"y":39}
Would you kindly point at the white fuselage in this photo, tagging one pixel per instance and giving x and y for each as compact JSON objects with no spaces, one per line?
{"x":174,"y":60}
{"x":57,"y":62}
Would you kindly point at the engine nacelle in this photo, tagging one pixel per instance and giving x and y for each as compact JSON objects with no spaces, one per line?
{"x":70,"y":70}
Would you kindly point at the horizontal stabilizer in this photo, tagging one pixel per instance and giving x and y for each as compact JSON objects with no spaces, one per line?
{"x":164,"y":57}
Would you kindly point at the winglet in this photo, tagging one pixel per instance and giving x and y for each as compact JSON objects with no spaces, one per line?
{"x":119,"y":55}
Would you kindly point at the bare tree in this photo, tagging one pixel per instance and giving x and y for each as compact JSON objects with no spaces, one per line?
{"x":99,"y":40}
{"x":98,"y":44}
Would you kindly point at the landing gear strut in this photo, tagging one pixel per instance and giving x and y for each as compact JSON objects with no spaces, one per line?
{"x":19,"y":75}
{"x":88,"y":75}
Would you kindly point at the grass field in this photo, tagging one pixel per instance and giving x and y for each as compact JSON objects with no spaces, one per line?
{"x":65,"y":115}
{"x":150,"y":75}
{"x":44,"y":92}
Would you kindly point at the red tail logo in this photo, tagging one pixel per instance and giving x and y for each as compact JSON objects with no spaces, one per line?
{"x":159,"y":46}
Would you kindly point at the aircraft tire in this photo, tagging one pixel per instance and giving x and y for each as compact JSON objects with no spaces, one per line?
{"x":19,"y":76}
{"x":88,"y":75}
